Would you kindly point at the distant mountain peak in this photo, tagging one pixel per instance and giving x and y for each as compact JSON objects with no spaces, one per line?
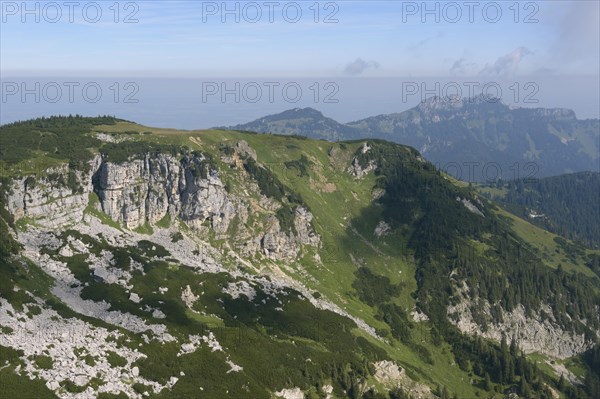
{"x":306,"y":109}
{"x":452,"y":103}
{"x":564,"y":114}
{"x":301,"y":121}
{"x":478,"y":130}
{"x":294,"y":113}
{"x":457,"y":103}
{"x":304,"y":112}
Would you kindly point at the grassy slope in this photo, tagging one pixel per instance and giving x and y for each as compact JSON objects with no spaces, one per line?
{"x":332,"y":211}
{"x":541,"y":239}
{"x":343,"y":251}
{"x":567,"y":202}
{"x":548,"y":249}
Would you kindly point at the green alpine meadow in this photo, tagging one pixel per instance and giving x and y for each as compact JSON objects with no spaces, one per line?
{"x":300,"y":199}
{"x":141,"y":262}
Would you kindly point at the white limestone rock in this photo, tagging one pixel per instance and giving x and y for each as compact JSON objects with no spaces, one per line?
{"x":188,"y":297}
{"x":382,"y":229}
{"x":135,"y":298}
{"x":293,"y":393}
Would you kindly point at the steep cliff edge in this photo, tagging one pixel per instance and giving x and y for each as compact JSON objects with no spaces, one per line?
{"x":141,"y":192}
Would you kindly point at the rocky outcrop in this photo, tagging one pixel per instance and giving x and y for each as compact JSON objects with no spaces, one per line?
{"x":68,"y":342}
{"x":390,"y":374}
{"x":279,"y":245}
{"x":532,"y":333}
{"x":188,"y":297}
{"x":469,"y":205}
{"x":147,"y":190}
{"x":358,"y":171}
{"x":237,"y":151}
{"x":294,"y":393}
{"x":54,"y":197}
{"x":133,"y":193}
{"x":382,"y":229}
{"x":137,"y":191}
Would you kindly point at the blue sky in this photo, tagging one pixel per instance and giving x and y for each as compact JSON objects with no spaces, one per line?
{"x":171,"y":39}
{"x":369,"y":50}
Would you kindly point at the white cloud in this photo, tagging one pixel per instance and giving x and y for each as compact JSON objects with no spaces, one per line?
{"x":461,"y":66}
{"x":359,"y":66}
{"x":507,"y":64}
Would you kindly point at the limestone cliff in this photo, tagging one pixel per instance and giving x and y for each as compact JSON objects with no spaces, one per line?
{"x":143,"y":191}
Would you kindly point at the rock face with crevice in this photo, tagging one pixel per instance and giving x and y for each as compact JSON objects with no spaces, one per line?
{"x":144,"y":191}
{"x":54,"y":197}
{"x":278,"y":244}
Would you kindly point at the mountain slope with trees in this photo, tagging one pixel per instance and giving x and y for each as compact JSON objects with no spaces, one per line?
{"x":259,"y":266}
{"x":566,"y":205}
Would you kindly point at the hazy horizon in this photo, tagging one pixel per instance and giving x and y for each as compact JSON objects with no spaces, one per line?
{"x":540,"y":54}
{"x":200,"y":104}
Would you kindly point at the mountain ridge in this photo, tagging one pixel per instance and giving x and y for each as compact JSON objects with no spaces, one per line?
{"x":474,"y":139}
{"x":207,"y":250}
